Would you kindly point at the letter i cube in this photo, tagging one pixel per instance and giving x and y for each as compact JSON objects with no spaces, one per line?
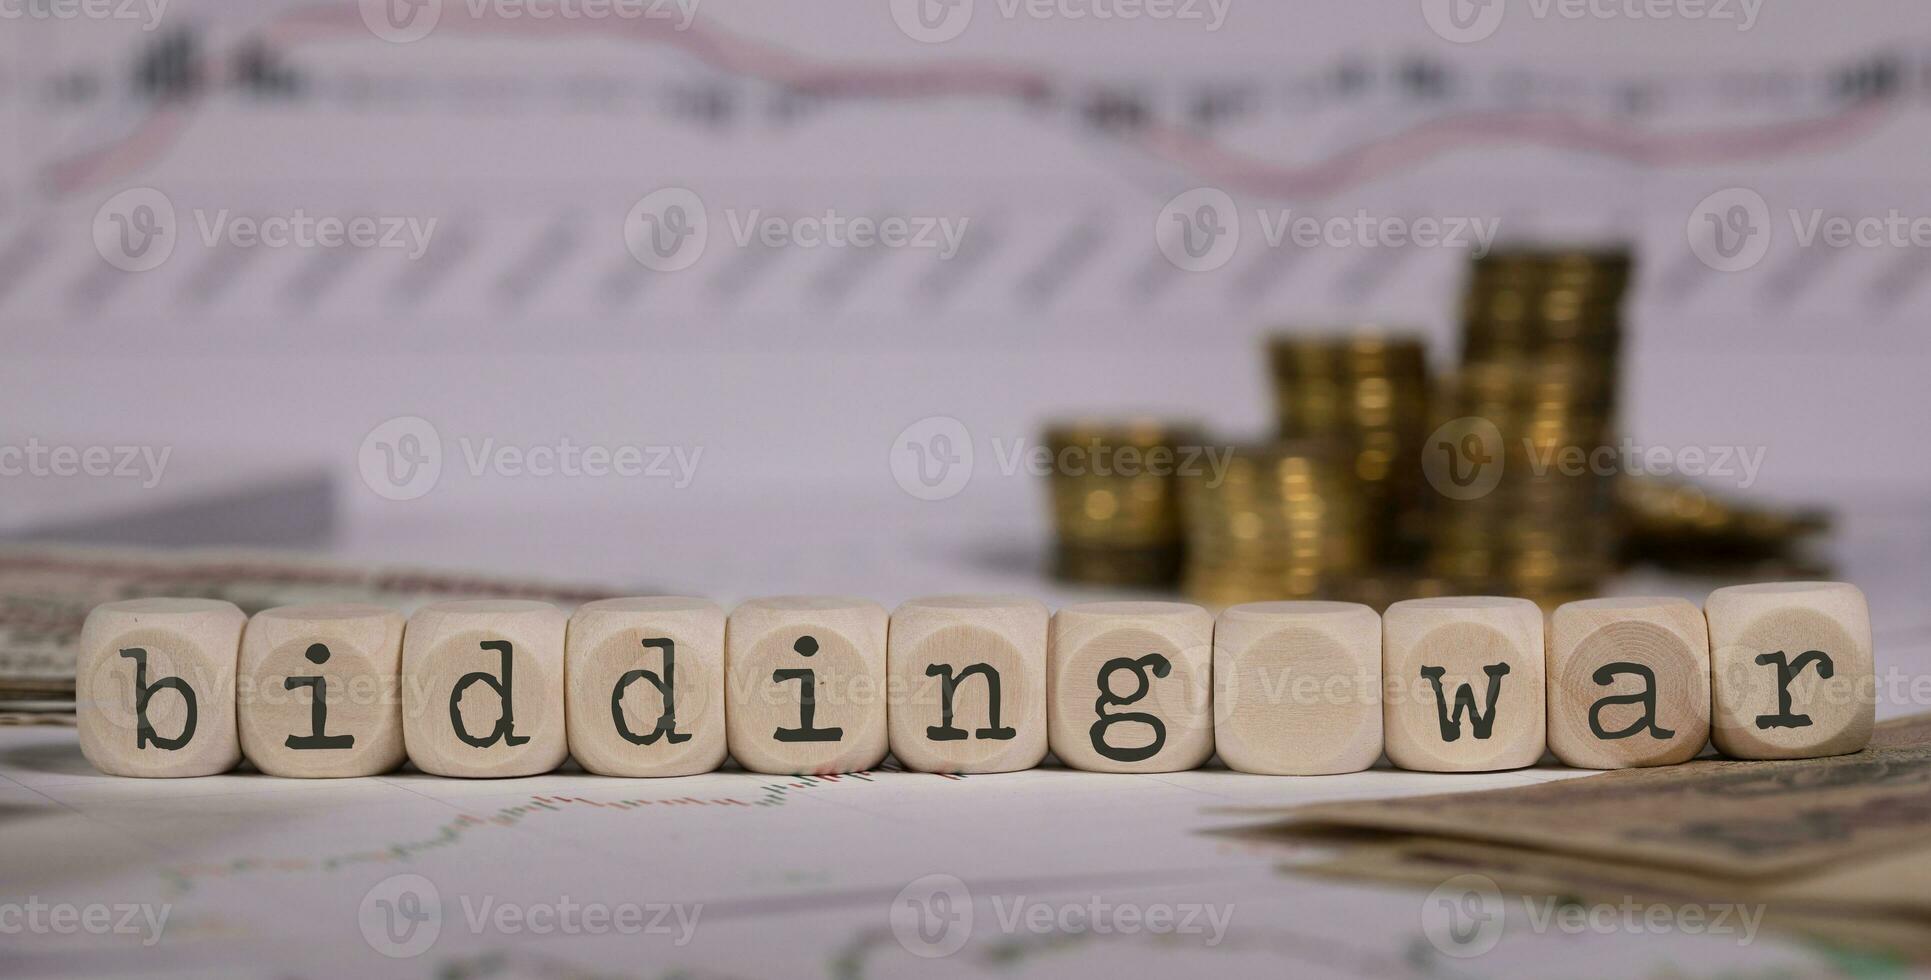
{"x":154,"y":693}
{"x":805,"y":684}
{"x":645,"y":686}
{"x":1629,"y":682}
{"x":968,"y":683}
{"x":1464,"y":683}
{"x":1792,"y":675}
{"x":482,"y":688}
{"x":1129,"y":686}
{"x":320,"y":690}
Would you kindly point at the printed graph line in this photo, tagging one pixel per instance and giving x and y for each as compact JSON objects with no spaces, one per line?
{"x":1183,"y":147}
{"x":182,"y":879}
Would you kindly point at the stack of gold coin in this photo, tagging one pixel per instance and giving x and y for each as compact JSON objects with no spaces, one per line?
{"x":1681,"y":526}
{"x":1369,"y":394}
{"x":1116,"y":503}
{"x":1281,"y":522}
{"x":1534,"y":398}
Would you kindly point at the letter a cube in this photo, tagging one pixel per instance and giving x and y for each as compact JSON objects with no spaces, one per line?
{"x":1629,"y":682}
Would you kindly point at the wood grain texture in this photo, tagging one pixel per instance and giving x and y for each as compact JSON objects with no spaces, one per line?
{"x":483,"y":688}
{"x":1464,"y":683}
{"x":805,"y":684}
{"x":1792,"y":675}
{"x":349,"y":655}
{"x":644,"y":686}
{"x":154,"y":692}
{"x":1628,"y":682}
{"x":947,"y":657}
{"x":1297,"y":687}
{"x":1129,"y":686}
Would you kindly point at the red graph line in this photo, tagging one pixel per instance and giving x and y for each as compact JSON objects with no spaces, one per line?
{"x":1179,"y":146}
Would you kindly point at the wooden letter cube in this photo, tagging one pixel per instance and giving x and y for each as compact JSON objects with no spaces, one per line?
{"x":1791,"y":670}
{"x":1629,"y":682}
{"x":805,"y":684}
{"x":482,"y":688}
{"x":155,"y":687}
{"x":968,"y":683}
{"x":320,"y":690}
{"x":1297,"y":687}
{"x":1129,"y":686}
{"x":645,"y":686}
{"x":1464,"y":683}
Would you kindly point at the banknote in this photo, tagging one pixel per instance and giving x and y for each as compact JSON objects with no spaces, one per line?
{"x":1714,"y":816}
{"x":1837,"y":849}
{"x":47,"y":590}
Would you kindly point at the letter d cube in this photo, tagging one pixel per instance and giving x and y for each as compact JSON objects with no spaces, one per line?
{"x":482,"y":688}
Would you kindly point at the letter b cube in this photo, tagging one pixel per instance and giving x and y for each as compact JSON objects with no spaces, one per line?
{"x":155,"y":687}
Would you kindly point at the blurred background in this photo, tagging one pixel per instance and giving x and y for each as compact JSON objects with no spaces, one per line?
{"x":731,"y":297}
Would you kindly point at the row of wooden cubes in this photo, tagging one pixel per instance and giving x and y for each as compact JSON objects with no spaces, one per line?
{"x":667,"y":686}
